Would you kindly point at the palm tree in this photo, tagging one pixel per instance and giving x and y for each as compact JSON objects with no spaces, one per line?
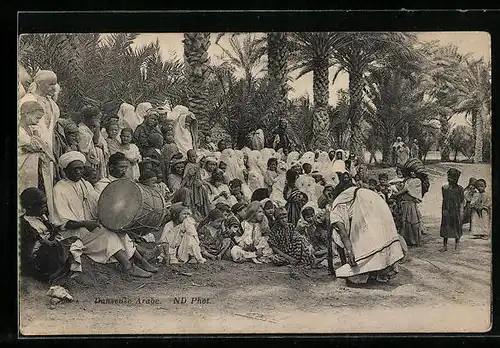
{"x":312,"y":51}
{"x":197,"y":70}
{"x":443,"y":71}
{"x":474,"y":96}
{"x":277,"y":68}
{"x":245,"y":55}
{"x":364,"y":50}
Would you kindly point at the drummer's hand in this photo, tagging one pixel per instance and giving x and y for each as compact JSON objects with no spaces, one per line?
{"x":91,"y":225}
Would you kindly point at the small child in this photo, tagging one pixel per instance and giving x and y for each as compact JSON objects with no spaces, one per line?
{"x":131,"y":151}
{"x":112,"y":130}
{"x":90,"y":174}
{"x":469,"y":192}
{"x":153,"y":151}
{"x":271,"y":175}
{"x":452,"y":209}
{"x":480,"y":206}
{"x":383,"y":185}
{"x":307,"y":167}
{"x":268,"y":207}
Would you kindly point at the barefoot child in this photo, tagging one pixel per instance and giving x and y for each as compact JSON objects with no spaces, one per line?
{"x":480,"y":206}
{"x":469,"y":192}
{"x":453,"y":199}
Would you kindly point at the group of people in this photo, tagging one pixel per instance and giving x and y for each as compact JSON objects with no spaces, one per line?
{"x":402,"y":153}
{"x":256,"y":204}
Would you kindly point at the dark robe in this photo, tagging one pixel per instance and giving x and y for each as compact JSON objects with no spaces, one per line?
{"x":451,"y":221}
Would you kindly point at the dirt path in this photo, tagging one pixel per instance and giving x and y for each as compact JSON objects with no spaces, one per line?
{"x":433,"y":292}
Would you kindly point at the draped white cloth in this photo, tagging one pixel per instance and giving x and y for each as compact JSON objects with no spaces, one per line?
{"x":185,"y":133}
{"x":370,"y":225}
{"x":127,"y":117}
{"x":255,"y":176}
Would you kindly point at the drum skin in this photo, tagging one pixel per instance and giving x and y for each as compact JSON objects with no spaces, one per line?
{"x":125,"y":205}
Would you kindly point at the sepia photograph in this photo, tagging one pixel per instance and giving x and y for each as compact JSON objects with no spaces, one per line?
{"x":254,"y":182}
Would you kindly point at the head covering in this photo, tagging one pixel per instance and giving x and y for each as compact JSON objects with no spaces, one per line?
{"x":252,"y":209}
{"x":260,"y":194}
{"x":127,"y":116}
{"x":398,"y":139}
{"x":69,"y":157}
{"x":176,"y":161}
{"x":176,"y":209}
{"x":210,"y":159}
{"x":41,"y":75}
{"x":215,"y":214}
{"x":69,"y":126}
{"x":237,"y":207}
{"x":264,"y":202}
{"x":307,"y":157}
{"x":454,"y":173}
{"x":342,"y":152}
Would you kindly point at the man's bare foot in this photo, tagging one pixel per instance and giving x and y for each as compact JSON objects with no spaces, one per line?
{"x":138,"y":272}
{"x":443,"y":249}
{"x":147,"y":266}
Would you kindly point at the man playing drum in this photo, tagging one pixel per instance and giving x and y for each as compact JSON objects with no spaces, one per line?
{"x":117,"y":168}
{"x":76,"y":215}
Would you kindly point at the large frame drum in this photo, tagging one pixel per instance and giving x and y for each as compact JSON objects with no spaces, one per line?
{"x":128,"y":206}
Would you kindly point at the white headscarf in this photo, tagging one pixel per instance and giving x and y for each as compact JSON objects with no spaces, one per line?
{"x":292,"y":158}
{"x":258,"y":140}
{"x":308,"y":157}
{"x":41,"y":75}
{"x":127,"y":117}
{"x":279,"y":185}
{"x":339,"y":164}
{"x":71,"y":156}
{"x":266,"y":154}
{"x":255,"y":177}
{"x":185,"y":138}
{"x":141,"y":111}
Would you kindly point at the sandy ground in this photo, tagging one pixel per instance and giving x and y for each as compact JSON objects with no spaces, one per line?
{"x":434,"y":292}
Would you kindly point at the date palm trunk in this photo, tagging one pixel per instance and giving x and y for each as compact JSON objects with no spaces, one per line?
{"x":479,"y":130}
{"x":443,"y":138}
{"x":196,"y":64}
{"x":321,"y":119}
{"x":277,"y":59}
{"x":355,"y":102}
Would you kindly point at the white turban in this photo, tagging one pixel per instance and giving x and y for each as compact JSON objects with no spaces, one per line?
{"x":210,"y":159}
{"x":41,"y":75}
{"x":69,"y":157}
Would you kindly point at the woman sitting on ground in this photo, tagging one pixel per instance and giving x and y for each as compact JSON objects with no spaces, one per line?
{"x":179,"y":240}
{"x":252,"y":244}
{"x":45,"y":255}
{"x":214,"y":242}
{"x":289,"y":244}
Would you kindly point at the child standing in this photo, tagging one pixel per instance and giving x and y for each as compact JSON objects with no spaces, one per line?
{"x":131,"y":151}
{"x":453,"y":199}
{"x":271,"y":175}
{"x":480,"y":206}
{"x":469,"y":192}
{"x":112,"y":130}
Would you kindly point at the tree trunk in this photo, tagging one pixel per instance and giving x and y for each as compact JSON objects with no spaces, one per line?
{"x":196,"y":65}
{"x":277,"y":55}
{"x":387,"y":149}
{"x":321,"y":119}
{"x":355,"y":102}
{"x":443,"y":138}
{"x":479,"y":126}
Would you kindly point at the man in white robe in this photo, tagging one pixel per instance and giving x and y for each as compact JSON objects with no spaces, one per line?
{"x":42,"y":89}
{"x":76,"y":215}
